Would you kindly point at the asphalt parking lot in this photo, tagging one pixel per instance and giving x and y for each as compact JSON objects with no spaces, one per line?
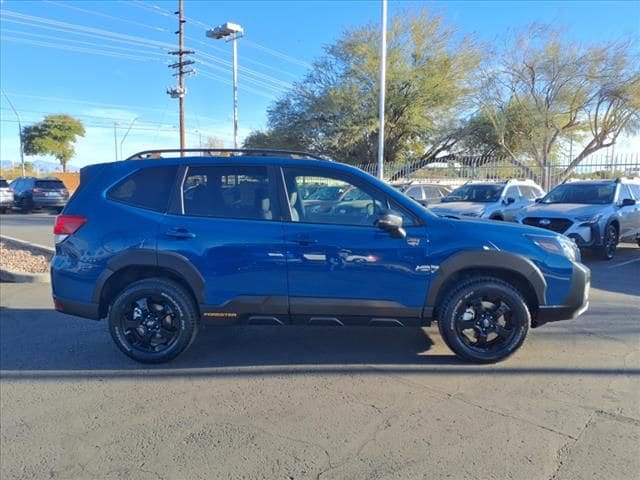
{"x":297,"y":403}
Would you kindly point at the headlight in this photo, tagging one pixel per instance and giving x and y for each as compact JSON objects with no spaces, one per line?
{"x":557,"y":245}
{"x":589,"y":218}
{"x":472,"y":214}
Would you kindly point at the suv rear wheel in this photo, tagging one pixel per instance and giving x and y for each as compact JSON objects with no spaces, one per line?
{"x":484,"y":320}
{"x":153,"y":320}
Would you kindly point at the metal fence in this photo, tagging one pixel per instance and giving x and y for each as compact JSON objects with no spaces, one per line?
{"x":457,"y":169}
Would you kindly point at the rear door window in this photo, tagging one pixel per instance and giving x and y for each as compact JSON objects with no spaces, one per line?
{"x":148,"y":188}
{"x":635,"y":190}
{"x":228,"y":191}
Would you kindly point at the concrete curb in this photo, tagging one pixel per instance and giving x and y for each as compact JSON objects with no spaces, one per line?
{"x":29,"y":244}
{"x":11,"y":276}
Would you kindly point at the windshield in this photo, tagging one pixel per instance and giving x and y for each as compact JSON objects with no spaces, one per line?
{"x":475,"y":193}
{"x":355,"y":194}
{"x":326,"y":193}
{"x":595,"y":194}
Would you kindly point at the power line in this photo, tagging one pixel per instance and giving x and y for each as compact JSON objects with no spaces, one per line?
{"x":104,"y":15}
{"x":69,"y":28}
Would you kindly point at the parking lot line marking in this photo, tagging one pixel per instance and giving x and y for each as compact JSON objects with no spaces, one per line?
{"x":625,"y":263}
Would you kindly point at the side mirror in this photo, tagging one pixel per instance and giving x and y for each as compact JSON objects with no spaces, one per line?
{"x":538,"y":200}
{"x":628,"y":202}
{"x":392,"y":223}
{"x":509,"y":200}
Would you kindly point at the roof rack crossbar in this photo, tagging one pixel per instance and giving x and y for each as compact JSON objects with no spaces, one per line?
{"x":157,"y":153}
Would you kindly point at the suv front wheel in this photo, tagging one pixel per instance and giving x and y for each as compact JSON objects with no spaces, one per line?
{"x":153,"y":320}
{"x":484,"y":320}
{"x":609,"y":243}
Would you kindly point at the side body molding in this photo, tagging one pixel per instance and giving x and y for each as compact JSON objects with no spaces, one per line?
{"x":490,"y":259}
{"x":141,"y":257}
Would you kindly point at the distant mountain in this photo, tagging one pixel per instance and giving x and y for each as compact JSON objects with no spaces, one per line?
{"x":39,"y":166}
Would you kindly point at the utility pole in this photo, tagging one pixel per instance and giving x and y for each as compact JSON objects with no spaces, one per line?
{"x":180,"y":91}
{"x":19,"y":133}
{"x":383,"y":75}
{"x":126,"y":134}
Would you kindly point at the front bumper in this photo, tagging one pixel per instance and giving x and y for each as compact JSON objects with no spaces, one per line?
{"x":574,"y":304}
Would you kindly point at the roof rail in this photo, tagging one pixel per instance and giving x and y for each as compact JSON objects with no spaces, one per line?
{"x":232,"y":152}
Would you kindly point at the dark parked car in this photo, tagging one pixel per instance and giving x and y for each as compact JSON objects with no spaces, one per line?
{"x":159,"y":245}
{"x":6,"y":196}
{"x":30,"y":193}
{"x":423,"y":193}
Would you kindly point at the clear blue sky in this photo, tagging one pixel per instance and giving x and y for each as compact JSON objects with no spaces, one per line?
{"x":111,"y":82}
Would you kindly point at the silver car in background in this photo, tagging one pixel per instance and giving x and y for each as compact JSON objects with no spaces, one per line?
{"x":492,"y":200}
{"x":596,"y":214}
{"x":6,"y":196}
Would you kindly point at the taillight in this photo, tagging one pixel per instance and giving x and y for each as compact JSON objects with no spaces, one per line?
{"x":9,"y":190}
{"x":37,"y":190}
{"x":65,"y":192}
{"x":67,"y":225}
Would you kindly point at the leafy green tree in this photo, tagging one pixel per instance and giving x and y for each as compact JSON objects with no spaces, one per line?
{"x":333,"y":111}
{"x":542,"y":91}
{"x":54,"y":136}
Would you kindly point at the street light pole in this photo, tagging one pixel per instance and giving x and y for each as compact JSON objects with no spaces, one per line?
{"x":232,"y":32}
{"x":383,"y":74}
{"x":19,"y":132}
{"x":235,"y":91}
{"x":115,"y":138}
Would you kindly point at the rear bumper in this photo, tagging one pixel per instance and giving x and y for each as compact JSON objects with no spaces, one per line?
{"x":574,"y":304}
{"x":6,"y":202}
{"x":78,"y":309}
{"x":40,"y":202}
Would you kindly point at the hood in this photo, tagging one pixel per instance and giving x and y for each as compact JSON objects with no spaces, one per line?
{"x":560,"y":210}
{"x":459,"y":208}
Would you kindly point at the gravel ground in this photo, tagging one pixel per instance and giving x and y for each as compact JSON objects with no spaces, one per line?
{"x":19,"y":258}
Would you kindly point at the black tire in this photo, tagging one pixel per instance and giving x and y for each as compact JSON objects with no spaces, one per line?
{"x":474,"y":330}
{"x":609,"y":243}
{"x":26,"y":206}
{"x":137,"y":327}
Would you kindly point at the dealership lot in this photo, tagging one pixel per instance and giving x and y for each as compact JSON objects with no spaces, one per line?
{"x":269,"y":402}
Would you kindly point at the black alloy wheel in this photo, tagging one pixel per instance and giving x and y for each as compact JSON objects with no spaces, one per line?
{"x":153,"y":320}
{"x":609,"y":243}
{"x":485,"y":320}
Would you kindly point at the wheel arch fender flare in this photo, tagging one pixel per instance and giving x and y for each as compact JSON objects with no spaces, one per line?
{"x":490,"y":260}
{"x":140,"y":257}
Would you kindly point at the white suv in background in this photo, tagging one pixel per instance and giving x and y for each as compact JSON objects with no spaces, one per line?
{"x":492,"y":200}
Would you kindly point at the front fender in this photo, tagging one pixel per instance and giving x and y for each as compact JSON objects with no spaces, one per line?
{"x":489,"y":259}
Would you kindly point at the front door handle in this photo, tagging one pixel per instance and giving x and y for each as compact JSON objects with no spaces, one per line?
{"x":304,"y":240}
{"x":179,"y":233}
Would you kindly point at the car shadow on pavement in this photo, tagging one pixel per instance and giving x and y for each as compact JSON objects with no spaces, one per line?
{"x":43,"y":344}
{"x":619,"y":275}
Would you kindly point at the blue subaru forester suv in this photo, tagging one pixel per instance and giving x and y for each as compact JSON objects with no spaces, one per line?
{"x":160,"y":244}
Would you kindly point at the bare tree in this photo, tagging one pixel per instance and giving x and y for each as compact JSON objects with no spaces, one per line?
{"x":542,"y":90}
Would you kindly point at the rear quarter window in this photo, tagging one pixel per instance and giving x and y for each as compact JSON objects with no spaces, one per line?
{"x":148,"y":188}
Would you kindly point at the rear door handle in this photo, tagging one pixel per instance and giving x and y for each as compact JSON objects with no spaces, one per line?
{"x":179,"y":233}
